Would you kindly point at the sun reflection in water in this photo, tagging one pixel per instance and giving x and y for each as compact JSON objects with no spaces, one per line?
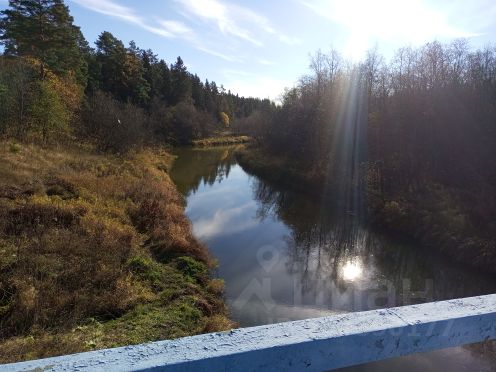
{"x":352,"y":270}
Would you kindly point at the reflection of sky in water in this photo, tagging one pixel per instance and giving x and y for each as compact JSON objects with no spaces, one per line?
{"x":224,"y":208}
{"x":275,"y":272}
{"x":251,"y":252}
{"x":249,"y":249}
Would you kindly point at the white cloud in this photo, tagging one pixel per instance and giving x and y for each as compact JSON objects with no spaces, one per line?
{"x":224,"y":16}
{"x":108,"y":7}
{"x":224,"y":220}
{"x":234,"y":20}
{"x":158,"y":31}
{"x":177,"y":28}
{"x":224,"y":56}
{"x":165,"y":28}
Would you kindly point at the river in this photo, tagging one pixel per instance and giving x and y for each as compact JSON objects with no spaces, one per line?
{"x":285,"y":256}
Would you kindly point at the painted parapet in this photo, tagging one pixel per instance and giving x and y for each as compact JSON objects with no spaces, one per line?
{"x":313,"y":344}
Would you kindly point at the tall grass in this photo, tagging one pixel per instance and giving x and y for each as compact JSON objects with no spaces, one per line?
{"x":95,"y":251}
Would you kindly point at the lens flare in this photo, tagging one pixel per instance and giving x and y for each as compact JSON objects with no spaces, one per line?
{"x":352,"y":271}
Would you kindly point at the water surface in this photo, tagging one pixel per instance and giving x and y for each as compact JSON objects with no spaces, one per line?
{"x":284,"y":256}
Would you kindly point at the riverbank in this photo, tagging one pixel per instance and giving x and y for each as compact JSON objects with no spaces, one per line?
{"x":221,"y":141}
{"x":96,"y":252}
{"x":277,"y":170}
{"x":437,"y":218}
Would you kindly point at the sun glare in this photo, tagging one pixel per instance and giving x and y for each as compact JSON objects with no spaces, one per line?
{"x":352,"y":271}
{"x":390,"y":21}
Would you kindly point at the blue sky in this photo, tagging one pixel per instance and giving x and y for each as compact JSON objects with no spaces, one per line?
{"x":256,"y":48}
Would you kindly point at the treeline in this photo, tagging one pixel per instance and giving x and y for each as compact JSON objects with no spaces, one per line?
{"x":53,"y":85}
{"x":412,"y":140}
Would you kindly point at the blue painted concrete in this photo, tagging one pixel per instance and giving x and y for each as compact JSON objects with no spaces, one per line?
{"x":313,"y":345}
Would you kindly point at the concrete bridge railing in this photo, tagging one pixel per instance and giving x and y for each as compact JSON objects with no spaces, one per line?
{"x":314,"y":344}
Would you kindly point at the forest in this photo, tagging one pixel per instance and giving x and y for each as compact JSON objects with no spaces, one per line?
{"x":55,"y":87}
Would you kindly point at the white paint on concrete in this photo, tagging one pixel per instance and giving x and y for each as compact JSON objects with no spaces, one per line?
{"x":312,"y":345}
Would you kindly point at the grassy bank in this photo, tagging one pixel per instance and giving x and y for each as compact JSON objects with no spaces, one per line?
{"x":95,"y":252}
{"x":221,"y":141}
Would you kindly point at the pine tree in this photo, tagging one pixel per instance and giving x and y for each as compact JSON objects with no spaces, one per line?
{"x":197,"y":92}
{"x":111,"y":59}
{"x":44,"y":29}
{"x":121,"y":70}
{"x":181,"y":84}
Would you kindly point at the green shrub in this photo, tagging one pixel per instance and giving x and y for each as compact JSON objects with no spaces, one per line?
{"x":14,"y":147}
{"x":146,"y":268}
{"x":48,"y":112}
{"x":192,"y":268}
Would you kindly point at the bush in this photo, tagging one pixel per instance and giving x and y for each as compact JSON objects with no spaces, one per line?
{"x":116,"y":127}
{"x":29,"y":105}
{"x":395,"y":214}
{"x":48,"y":113}
{"x":192,"y":268}
{"x":187,"y":124}
{"x":224,"y":118}
{"x":160,"y":121}
{"x":14,"y":147}
{"x":254,"y":125}
{"x":146,"y":268}
{"x":4,"y":101}
{"x":158,"y":210}
{"x":16,"y":95}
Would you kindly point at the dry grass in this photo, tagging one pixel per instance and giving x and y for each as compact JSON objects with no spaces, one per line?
{"x":221,"y":141}
{"x":95,"y":251}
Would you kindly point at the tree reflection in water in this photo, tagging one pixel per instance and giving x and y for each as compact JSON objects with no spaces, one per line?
{"x":193,"y":167}
{"x":344,"y":265}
